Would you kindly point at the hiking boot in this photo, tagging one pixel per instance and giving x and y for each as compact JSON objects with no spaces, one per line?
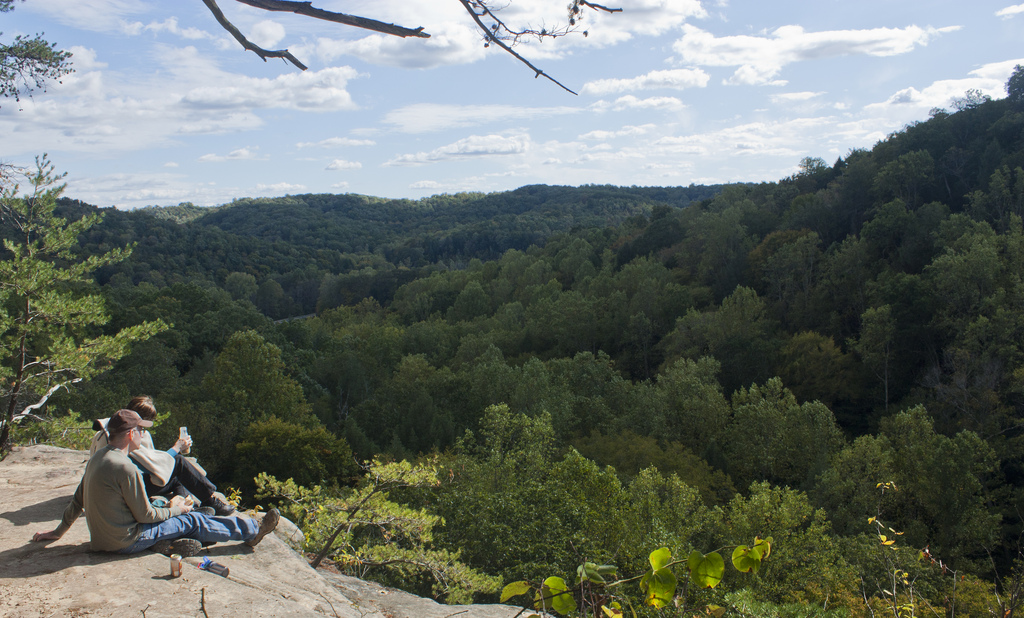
{"x":205,"y":510}
{"x":185,"y":547}
{"x":220,"y":507}
{"x":267,"y":526}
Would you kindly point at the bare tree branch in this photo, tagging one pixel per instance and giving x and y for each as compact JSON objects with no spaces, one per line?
{"x":497,"y":41}
{"x":246,"y":43}
{"x":42,"y":401}
{"x":598,"y":7}
{"x":307,"y":9}
{"x":497,"y":32}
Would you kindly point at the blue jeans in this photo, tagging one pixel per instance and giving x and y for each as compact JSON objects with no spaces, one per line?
{"x":203,"y":528}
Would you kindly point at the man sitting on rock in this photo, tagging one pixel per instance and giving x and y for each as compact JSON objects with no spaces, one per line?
{"x":120,"y":516}
{"x":166,"y":473}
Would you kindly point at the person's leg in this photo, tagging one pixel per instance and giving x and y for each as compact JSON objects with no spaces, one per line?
{"x":187,"y":479}
{"x":193,"y":480}
{"x":171,"y":489}
{"x":203,"y":528}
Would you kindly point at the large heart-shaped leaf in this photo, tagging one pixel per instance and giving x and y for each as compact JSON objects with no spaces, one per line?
{"x":514,"y":589}
{"x":555,"y":594}
{"x":659,"y":558}
{"x":659,"y":587}
{"x":706,"y":571}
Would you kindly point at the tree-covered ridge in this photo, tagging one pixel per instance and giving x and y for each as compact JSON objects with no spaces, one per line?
{"x":785,"y":359}
{"x":296,"y":241}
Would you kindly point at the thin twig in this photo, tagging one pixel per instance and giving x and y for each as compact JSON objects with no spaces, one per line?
{"x":599,"y":7}
{"x":331,"y":604}
{"x":494,"y":39}
{"x":202,"y":603}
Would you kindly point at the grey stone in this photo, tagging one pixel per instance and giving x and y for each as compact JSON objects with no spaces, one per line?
{"x":65,"y":578}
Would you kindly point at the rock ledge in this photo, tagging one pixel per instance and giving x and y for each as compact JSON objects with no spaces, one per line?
{"x":65,"y":578}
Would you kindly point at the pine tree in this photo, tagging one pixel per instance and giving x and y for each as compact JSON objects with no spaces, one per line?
{"x":49,"y":322}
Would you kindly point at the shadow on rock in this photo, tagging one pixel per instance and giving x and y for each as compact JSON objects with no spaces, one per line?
{"x":49,"y":510}
{"x":228,"y":549}
{"x":33,"y":559}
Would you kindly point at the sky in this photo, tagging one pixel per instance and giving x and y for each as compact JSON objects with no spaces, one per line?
{"x":165,"y":107}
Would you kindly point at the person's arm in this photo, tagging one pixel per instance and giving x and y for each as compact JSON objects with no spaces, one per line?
{"x":183,"y":445}
{"x":134,"y":493}
{"x":71,"y":513}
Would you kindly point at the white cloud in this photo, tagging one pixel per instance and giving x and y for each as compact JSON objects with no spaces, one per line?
{"x":280,"y":187}
{"x":185,"y":93}
{"x":911,"y":103}
{"x":169,"y":25}
{"x":171,"y":164}
{"x":638,"y":18}
{"x":425,"y":184}
{"x":94,"y":15}
{"x":449,"y":44}
{"x":240,"y":154}
{"x":676,"y":79}
{"x":426,"y":117}
{"x":1010,"y":11}
{"x":334,"y":142}
{"x":454,"y":39}
{"x":469,"y":147}
{"x":84,"y":59}
{"x":761,"y":58}
{"x":341,"y":164}
{"x":340,"y":185}
{"x":627,"y":131}
{"x":631,"y":102}
{"x":791,"y":97}
{"x":131,"y":190}
{"x":266,"y":33}
{"x":306,"y":90}
{"x":782,"y":138}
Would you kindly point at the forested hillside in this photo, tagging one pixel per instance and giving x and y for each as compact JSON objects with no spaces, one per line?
{"x":603,"y":371}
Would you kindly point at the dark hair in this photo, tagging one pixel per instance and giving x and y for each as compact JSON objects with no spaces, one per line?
{"x":143,"y":404}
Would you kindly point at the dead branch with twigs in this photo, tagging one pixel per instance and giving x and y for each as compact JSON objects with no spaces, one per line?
{"x":483,"y":12}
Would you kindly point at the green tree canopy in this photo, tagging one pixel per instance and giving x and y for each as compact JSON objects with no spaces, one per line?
{"x":1015,"y":87}
{"x":49,"y":320}
{"x":27,"y":63}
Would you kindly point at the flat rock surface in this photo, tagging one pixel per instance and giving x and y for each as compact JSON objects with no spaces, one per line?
{"x":65,"y":578}
{"x":380,"y":602}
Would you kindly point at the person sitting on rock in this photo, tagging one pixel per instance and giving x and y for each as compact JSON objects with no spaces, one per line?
{"x":120,"y":516}
{"x":166,"y":473}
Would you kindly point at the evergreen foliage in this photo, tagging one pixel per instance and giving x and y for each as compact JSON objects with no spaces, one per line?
{"x":48,"y":313}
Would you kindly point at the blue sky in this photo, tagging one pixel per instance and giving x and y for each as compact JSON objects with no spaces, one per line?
{"x":165,"y":107}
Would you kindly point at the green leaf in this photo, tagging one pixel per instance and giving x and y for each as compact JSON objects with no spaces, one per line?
{"x":764,"y":546}
{"x":659,"y":558}
{"x":591,"y":572}
{"x":612,"y":612}
{"x":514,"y":589}
{"x":746,"y":559}
{"x":715,"y":610}
{"x":607,"y":569}
{"x":659,"y":587}
{"x":706,"y":571}
{"x":555,"y":594}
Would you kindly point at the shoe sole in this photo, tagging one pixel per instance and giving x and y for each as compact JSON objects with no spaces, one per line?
{"x":267,"y":525}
